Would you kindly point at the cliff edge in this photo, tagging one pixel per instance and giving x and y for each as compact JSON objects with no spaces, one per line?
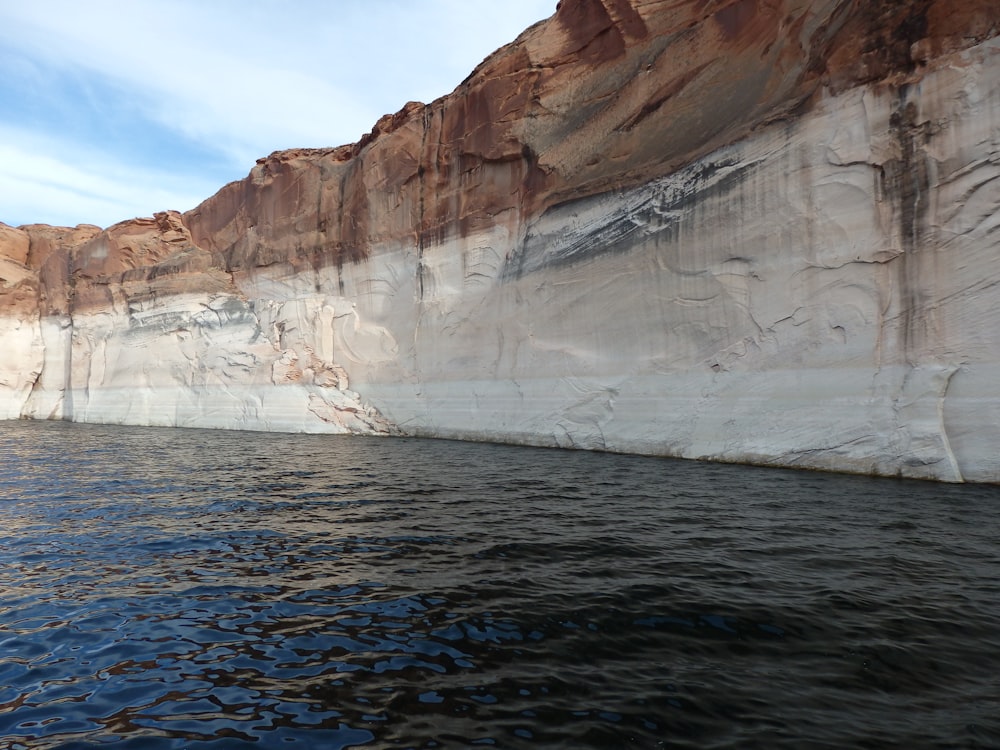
{"x":761,"y":231}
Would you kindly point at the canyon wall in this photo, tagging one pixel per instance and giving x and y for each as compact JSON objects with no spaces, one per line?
{"x":762,"y":231}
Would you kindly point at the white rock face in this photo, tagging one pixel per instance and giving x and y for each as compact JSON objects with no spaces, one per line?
{"x":20,"y":363}
{"x":22,"y":354}
{"x":193,"y":361}
{"x":823,"y":294}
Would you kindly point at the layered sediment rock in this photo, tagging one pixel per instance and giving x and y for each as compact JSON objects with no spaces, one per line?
{"x":743,"y":231}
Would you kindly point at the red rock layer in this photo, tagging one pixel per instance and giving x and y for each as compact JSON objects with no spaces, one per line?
{"x":604,"y":94}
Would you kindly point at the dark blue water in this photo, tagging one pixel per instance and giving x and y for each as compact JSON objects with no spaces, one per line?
{"x":198,"y":589}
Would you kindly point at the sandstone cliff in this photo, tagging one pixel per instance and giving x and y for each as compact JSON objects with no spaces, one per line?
{"x":743,"y":230}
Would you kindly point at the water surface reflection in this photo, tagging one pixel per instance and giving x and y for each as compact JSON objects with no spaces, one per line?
{"x":175,"y":589}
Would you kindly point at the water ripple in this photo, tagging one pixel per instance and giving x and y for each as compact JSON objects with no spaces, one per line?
{"x":197,"y":589}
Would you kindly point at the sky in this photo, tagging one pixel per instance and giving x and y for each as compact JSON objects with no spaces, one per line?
{"x":112,"y":109}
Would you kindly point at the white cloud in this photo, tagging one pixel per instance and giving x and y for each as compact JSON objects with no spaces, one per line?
{"x":39,"y":185}
{"x":235,"y":78}
{"x":267,"y":74}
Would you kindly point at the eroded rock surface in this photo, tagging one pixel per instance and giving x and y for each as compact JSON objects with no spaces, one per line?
{"x":760,"y":231}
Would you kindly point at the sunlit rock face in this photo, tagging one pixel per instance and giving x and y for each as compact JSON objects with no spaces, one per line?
{"x":136,"y":325}
{"x":21,"y":355}
{"x":739,"y":231}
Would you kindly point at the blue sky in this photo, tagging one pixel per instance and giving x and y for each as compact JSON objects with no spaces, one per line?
{"x":116,"y":109}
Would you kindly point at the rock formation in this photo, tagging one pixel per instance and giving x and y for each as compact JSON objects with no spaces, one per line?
{"x":760,"y":231}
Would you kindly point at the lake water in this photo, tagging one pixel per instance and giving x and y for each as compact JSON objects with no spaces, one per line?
{"x":166,"y":588}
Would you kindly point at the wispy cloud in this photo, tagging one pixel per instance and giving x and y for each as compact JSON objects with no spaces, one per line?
{"x":87,"y":186}
{"x":178,"y":94}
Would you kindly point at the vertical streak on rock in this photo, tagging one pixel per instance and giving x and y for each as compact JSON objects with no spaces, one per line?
{"x":39,"y":303}
{"x":945,"y":442}
{"x":319,"y":254}
{"x":68,"y":401}
{"x":421,"y":186}
{"x":912,"y":185}
{"x":911,"y":178}
{"x":339,"y":249}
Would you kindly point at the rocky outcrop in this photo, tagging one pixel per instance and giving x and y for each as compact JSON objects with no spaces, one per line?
{"x":759,"y":231}
{"x":138,"y":325}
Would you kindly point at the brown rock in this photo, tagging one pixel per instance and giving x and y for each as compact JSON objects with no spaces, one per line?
{"x":604,"y":94}
{"x":18,"y":283}
{"x":14,"y":244}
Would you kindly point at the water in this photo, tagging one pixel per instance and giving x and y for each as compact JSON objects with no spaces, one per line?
{"x":201,"y":589}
